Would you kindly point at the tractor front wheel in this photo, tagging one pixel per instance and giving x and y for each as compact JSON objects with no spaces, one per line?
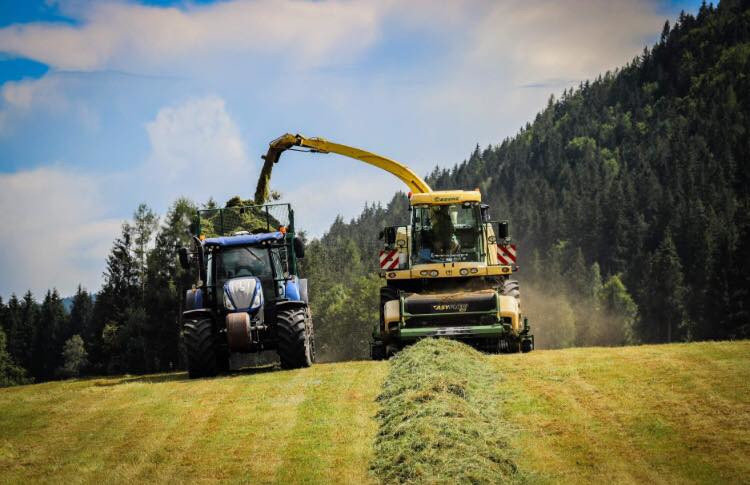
{"x":201,"y":348}
{"x":296,"y":339}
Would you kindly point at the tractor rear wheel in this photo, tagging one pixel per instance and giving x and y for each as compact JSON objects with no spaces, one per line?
{"x":296,"y":338}
{"x":201,"y":348}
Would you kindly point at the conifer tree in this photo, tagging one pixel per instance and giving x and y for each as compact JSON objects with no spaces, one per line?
{"x":51,"y":324}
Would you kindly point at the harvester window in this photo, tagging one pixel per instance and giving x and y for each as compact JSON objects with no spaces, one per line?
{"x":444,"y":233}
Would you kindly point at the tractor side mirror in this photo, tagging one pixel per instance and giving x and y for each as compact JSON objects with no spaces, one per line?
{"x":184,"y":258}
{"x":201,"y":259}
{"x":299,"y":247}
{"x":502,"y":230}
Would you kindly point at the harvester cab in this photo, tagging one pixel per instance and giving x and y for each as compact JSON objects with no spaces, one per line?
{"x":248,"y":296}
{"x":447,"y":273}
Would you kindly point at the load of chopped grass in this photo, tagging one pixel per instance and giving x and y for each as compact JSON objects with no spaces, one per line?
{"x":440,"y":419}
{"x":242,"y":215}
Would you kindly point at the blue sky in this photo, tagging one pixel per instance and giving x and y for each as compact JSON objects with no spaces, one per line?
{"x":107,"y":104}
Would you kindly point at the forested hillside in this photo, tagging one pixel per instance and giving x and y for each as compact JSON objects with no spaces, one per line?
{"x":628,"y":196}
{"x":629,"y":199}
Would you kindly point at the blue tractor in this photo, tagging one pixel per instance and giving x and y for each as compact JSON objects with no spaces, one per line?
{"x":248,"y":296}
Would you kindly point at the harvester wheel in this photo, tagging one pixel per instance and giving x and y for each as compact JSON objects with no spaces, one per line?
{"x":377,"y":351}
{"x":296,"y":344}
{"x":386,"y":294}
{"x":201,"y":348}
{"x":527,"y":345}
{"x":511,"y":288}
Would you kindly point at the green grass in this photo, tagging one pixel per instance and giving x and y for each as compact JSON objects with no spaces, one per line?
{"x":312,"y":425}
{"x":650,"y":414}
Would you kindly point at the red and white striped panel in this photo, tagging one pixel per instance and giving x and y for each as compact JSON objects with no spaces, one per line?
{"x":506,"y":254}
{"x":389,"y":259}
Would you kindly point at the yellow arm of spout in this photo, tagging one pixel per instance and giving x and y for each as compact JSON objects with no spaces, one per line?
{"x":319,"y":145}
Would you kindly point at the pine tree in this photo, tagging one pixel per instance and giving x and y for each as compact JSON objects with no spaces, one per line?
{"x":81,"y":314}
{"x":166,"y":283}
{"x":120,"y":294}
{"x":145,"y":223}
{"x":11,"y":374}
{"x":21,"y":340}
{"x":665,"y":297}
{"x":47,"y":345}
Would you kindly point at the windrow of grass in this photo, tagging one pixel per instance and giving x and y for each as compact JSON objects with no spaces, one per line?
{"x":440,"y":418}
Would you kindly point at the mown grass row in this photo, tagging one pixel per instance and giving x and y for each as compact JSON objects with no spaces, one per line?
{"x":440,"y":419}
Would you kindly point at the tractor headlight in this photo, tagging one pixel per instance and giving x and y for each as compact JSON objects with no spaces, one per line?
{"x":228,"y":302}
{"x":258,"y":298}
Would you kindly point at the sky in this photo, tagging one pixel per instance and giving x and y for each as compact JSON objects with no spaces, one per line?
{"x":107,"y":104}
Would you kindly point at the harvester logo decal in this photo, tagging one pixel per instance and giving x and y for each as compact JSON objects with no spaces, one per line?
{"x":506,"y":255}
{"x":389,"y":259}
{"x":451,"y":307}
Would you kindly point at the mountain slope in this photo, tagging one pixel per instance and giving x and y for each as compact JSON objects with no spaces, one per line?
{"x":628,"y":197}
{"x":646,"y":171}
{"x":670,"y":413}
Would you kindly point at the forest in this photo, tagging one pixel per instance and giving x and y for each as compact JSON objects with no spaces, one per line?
{"x":628,"y":197}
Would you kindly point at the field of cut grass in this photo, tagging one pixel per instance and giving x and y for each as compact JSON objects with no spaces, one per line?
{"x":651,"y":414}
{"x":312,"y":425}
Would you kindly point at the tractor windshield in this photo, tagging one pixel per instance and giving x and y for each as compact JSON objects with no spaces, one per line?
{"x":243,"y":261}
{"x":446,"y":233}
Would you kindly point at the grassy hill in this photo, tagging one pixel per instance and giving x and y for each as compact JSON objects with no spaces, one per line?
{"x":672,"y":414}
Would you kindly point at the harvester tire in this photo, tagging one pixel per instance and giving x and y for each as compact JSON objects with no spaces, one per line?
{"x":511,"y":288}
{"x":296,"y":340}
{"x":386,"y":294}
{"x":201,"y":348}
{"x":527,"y":345}
{"x":377,"y":351}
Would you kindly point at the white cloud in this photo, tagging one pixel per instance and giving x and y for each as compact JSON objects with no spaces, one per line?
{"x":196,"y":150}
{"x":23,"y":95}
{"x":48,"y":95}
{"x":316,"y":204}
{"x":57,"y":230}
{"x":54,"y":232}
{"x":130,"y":36}
{"x":536,"y":41}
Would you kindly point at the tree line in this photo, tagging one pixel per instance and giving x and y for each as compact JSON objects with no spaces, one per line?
{"x":132,"y":325}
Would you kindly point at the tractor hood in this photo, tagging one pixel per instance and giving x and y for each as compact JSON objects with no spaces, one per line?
{"x":243,"y":294}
